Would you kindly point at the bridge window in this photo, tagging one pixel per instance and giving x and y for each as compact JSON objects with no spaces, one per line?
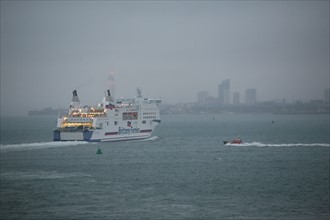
{"x":130,"y":116}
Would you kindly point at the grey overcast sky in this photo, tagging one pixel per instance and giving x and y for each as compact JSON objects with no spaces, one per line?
{"x":170,"y":49}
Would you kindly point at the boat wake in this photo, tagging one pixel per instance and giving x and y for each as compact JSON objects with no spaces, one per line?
{"x":150,"y":139}
{"x":38,"y":145}
{"x":259,"y":144}
{"x":39,"y":174}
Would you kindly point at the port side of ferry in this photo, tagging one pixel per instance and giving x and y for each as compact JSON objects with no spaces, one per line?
{"x":123,"y":119}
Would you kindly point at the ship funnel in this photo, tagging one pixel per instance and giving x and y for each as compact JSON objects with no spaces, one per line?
{"x":75,"y":97}
{"x":108,"y":97}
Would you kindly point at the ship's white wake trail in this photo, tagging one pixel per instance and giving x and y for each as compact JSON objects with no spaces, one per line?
{"x":150,"y":139}
{"x":259,"y":144}
{"x":38,"y":145}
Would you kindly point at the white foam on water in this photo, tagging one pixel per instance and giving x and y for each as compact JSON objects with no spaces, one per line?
{"x":259,"y":144}
{"x":39,"y":174}
{"x":152,"y":138}
{"x":149,"y":139}
{"x":38,"y":145}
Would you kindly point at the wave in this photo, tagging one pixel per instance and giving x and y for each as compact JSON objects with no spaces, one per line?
{"x":149,"y":139}
{"x":259,"y":144}
{"x":39,"y":174}
{"x":152,"y":138}
{"x":38,"y":145}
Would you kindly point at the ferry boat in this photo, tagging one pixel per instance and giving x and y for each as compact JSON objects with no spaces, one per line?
{"x":123,"y":119}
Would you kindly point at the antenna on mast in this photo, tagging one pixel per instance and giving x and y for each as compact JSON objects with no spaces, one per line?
{"x":139,"y":92}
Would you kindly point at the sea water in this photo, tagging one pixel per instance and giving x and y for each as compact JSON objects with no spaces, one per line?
{"x":184,"y":171}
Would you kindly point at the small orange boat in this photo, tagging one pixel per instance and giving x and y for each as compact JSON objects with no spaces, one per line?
{"x":234,"y":141}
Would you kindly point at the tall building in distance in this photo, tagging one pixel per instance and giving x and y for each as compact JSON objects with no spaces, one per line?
{"x":251,"y":96}
{"x":236,"y":98}
{"x":202,"y":96}
{"x":224,"y":92}
{"x":327,"y":96}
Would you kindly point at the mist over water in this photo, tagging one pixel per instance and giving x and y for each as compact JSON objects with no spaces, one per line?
{"x":277,"y":50}
{"x":170,"y":49}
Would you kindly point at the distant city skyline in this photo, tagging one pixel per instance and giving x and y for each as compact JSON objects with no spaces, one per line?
{"x":224,"y":95}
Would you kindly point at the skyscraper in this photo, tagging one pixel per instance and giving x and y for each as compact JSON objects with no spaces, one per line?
{"x":327,"y":95}
{"x":202,"y":96}
{"x":224,"y":92}
{"x":251,"y":96}
{"x":236,"y":98}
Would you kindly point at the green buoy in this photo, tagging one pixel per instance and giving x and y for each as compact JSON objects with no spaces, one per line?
{"x":99,"y":151}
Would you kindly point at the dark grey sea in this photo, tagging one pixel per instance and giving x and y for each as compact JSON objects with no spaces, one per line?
{"x":183,"y":172}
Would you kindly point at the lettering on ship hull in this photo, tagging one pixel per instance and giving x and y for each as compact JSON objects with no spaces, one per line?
{"x":128,"y":130}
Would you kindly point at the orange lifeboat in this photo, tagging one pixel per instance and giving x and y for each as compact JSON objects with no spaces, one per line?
{"x":234,"y":141}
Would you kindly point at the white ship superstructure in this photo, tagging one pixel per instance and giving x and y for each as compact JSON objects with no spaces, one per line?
{"x":123,"y":119}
